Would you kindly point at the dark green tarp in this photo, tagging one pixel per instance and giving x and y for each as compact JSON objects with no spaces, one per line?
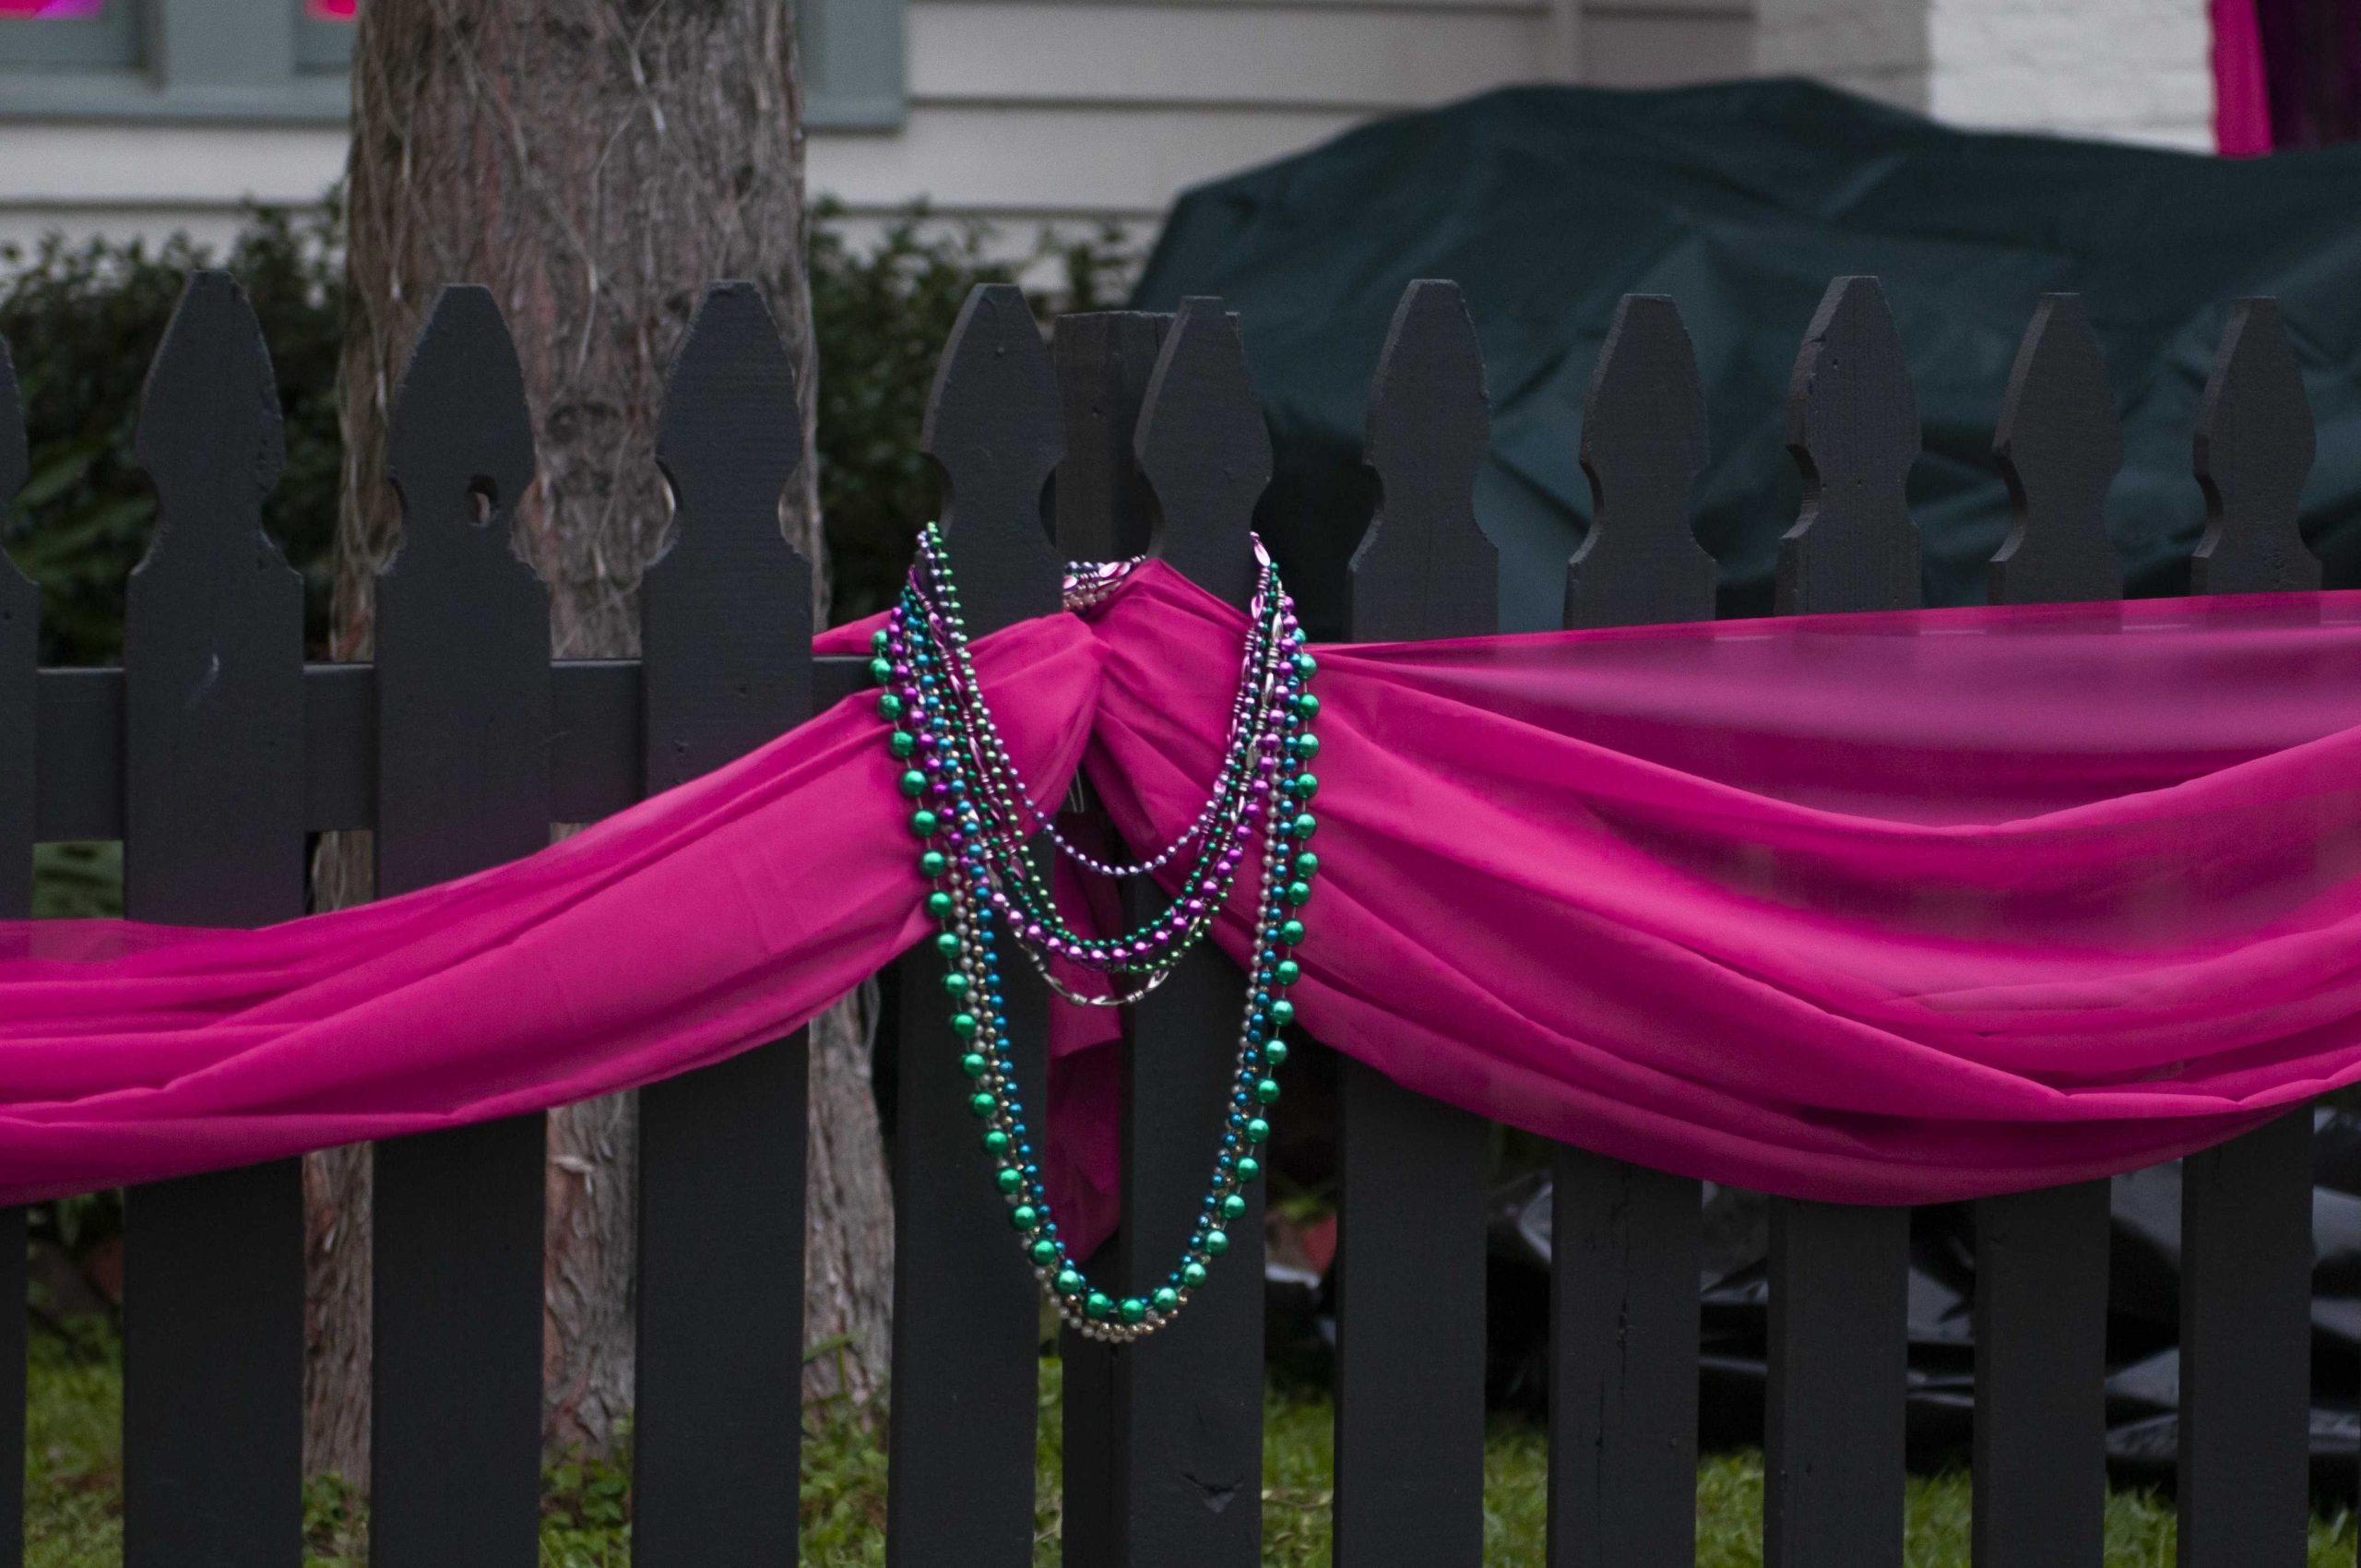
{"x":1742,"y":201}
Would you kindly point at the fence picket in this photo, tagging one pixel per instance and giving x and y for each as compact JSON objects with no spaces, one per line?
{"x":966,"y":1304}
{"x":2246,"y":1205}
{"x":1832,"y":1449}
{"x":726,"y":619}
{"x":213,"y":797}
{"x":2041,"y":1257}
{"x":1624,"y":1314}
{"x":1411,"y":1171}
{"x":19,"y":660}
{"x":1187,"y":1408}
{"x":463,"y":782}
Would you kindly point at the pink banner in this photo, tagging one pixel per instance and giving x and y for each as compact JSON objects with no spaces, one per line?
{"x":1880,"y":908}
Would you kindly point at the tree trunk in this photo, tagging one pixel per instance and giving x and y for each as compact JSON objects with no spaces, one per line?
{"x":595,"y":162}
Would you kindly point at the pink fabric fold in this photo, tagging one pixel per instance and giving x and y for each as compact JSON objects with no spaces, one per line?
{"x":1883,"y":909}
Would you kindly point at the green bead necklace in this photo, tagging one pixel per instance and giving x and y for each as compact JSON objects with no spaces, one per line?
{"x":976,"y":824}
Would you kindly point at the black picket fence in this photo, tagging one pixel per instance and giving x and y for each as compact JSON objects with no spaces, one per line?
{"x":215,"y":750}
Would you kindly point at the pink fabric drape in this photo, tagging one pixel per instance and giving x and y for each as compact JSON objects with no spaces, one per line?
{"x":1880,"y":909}
{"x":2241,"y":85}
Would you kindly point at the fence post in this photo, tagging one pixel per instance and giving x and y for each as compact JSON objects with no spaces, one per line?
{"x":726,"y":619}
{"x":1411,"y":1169}
{"x":2246,"y":1205}
{"x":2041,"y":1257}
{"x":1832,"y":1449}
{"x":213,"y":802}
{"x":1104,"y":360}
{"x":1188,"y":1404}
{"x":1624,"y":1317}
{"x":19,"y":659}
{"x":966,"y":1323}
{"x":463,"y":783}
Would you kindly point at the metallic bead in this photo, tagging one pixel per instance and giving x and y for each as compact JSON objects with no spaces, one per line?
{"x":996,"y":1141}
{"x":939,"y":905}
{"x":1257,"y":1130}
{"x":1248,"y":1168}
{"x":901,"y":743}
{"x":1306,"y":863}
{"x":1283,"y":1012}
{"x":1286,"y":972}
{"x":1216,"y":1242}
{"x":1298,"y":893}
{"x":1166,"y":1300}
{"x":1024,"y":1216}
{"x":1267,"y":1091}
{"x":1070,"y":1282}
{"x":924,"y":822}
{"x":881,"y":669}
{"x":933,"y":864}
{"x":1232,"y":1206}
{"x":1275,"y":1052}
{"x":1192,"y":1274}
{"x":1132,"y":1309}
{"x":1008,"y":1178}
{"x":1098,"y":1304}
{"x":1304,"y":825}
{"x":913,"y":783}
{"x":889,"y":706}
{"x":963,"y":1025}
{"x":983,"y":1102}
{"x":975,"y":1064}
{"x":1291,"y":932}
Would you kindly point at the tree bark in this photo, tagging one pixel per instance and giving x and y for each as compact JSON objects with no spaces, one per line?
{"x":595,"y":162}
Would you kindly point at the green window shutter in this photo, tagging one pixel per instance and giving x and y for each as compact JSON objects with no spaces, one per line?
{"x":854,"y":74}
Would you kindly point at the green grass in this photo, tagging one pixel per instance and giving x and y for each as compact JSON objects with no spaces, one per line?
{"x":74,"y":1513}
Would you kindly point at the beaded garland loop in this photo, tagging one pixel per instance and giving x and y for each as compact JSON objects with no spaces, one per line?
{"x":977,"y":825}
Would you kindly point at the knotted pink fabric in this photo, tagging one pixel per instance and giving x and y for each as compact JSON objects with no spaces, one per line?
{"x":1880,"y":908}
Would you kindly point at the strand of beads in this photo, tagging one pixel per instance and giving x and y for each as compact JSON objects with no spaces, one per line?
{"x":971,"y":851}
{"x":926,"y":634}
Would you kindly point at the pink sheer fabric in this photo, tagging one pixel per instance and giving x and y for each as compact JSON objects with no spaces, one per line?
{"x":1881,"y":908}
{"x":2241,"y":86}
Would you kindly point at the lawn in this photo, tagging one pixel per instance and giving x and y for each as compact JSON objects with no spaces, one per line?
{"x":73,"y":1514}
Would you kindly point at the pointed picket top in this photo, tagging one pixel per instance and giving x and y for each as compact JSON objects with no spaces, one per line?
{"x":1643,"y":445}
{"x":995,"y":430}
{"x":17,"y":595}
{"x":730,"y":431}
{"x":1205,"y":451}
{"x":460,"y":447}
{"x":210,"y":429}
{"x":1852,"y":429}
{"x":19,"y":650}
{"x":2254,"y":451}
{"x":726,"y":611}
{"x":2059,"y":444}
{"x":1424,"y":569}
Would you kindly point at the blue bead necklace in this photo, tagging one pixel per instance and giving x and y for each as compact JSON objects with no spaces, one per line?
{"x":977,"y":827}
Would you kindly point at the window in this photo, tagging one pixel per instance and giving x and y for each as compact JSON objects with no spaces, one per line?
{"x":288,"y":59}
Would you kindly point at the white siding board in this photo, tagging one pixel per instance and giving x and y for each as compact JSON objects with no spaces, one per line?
{"x":1370,"y":57}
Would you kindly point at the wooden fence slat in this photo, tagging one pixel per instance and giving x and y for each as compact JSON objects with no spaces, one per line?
{"x":1187,"y":1417}
{"x":2246,"y":1206}
{"x":463,"y":705}
{"x":967,"y":1307}
{"x":1104,"y":360}
{"x":1624,"y":1312}
{"x":1411,"y":1171}
{"x":725,"y":618}
{"x":1833,"y":1450}
{"x":213,"y":793}
{"x":2059,"y":444}
{"x":19,"y":656}
{"x":2041,"y":1257}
